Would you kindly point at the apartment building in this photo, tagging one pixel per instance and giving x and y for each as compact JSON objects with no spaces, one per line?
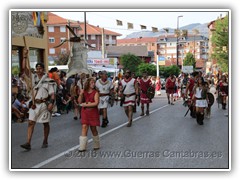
{"x":195,"y":44}
{"x":57,"y":33}
{"x":165,"y":47}
{"x":149,"y":42}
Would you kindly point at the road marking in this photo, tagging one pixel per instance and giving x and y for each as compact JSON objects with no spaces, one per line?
{"x":90,"y":140}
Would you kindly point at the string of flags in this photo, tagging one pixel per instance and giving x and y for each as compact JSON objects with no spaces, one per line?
{"x":130,"y":26}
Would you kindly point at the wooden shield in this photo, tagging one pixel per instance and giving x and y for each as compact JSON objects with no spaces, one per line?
{"x":210,"y":98}
{"x":151,"y":92}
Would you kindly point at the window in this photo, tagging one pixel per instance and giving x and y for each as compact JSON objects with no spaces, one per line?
{"x":93,"y":45}
{"x":50,"y":28}
{"x":62,"y":29}
{"x":51,"y":51}
{"x":62,"y":39}
{"x":63,"y":50}
{"x":93,"y":37}
{"x":51,"y":40}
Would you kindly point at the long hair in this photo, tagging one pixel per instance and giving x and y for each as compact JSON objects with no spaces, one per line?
{"x":87,"y":84}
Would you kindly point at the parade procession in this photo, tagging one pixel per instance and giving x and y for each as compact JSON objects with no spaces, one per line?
{"x":141,"y":113}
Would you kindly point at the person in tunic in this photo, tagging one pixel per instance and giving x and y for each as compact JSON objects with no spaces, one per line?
{"x":200,"y":95}
{"x":145,"y":83}
{"x":170,"y":84}
{"x":40,"y":111}
{"x":128,"y":91}
{"x":223,"y":90}
{"x":89,"y":100}
{"x":74,"y":92}
{"x":105,"y":88}
{"x":189,"y":93}
{"x":158,"y":86}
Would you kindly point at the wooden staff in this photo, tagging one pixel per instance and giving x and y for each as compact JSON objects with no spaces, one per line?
{"x":27,"y":70}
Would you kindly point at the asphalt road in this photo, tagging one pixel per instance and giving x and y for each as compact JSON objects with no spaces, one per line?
{"x":164,"y":139}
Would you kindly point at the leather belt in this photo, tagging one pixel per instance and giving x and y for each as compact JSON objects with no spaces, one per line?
{"x":39,"y":101}
{"x":102,"y":94}
{"x":128,"y":95}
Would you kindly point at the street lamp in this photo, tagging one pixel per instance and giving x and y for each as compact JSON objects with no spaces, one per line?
{"x":178,"y":35}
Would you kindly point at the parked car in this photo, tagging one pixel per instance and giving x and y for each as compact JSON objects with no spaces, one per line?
{"x":163,"y":83}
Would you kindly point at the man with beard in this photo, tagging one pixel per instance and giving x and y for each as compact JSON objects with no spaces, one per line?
{"x":43,"y":99}
{"x":105,"y":88}
{"x":145,"y":83}
{"x":128,"y":92}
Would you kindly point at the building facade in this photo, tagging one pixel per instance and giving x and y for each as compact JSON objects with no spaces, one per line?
{"x":26,"y":33}
{"x":166,"y":49}
{"x":195,"y":44}
{"x":149,"y":42}
{"x":57,"y":33}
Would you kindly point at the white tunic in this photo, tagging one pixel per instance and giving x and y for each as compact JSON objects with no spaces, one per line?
{"x":104,"y":88}
{"x":45,"y":88}
{"x":129,"y":89}
{"x":200,"y":103}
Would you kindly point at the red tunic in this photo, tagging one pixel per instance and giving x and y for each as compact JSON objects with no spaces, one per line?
{"x":170,"y":85}
{"x":144,"y":85}
{"x":223,"y":88}
{"x":191,"y":86}
{"x":90,"y":116}
{"x":158,"y":85}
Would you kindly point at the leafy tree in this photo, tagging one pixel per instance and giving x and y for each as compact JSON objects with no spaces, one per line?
{"x":15,"y":70}
{"x":189,"y":60}
{"x":165,"y":71}
{"x":130,"y":61}
{"x":220,"y":41}
{"x":150,"y":68}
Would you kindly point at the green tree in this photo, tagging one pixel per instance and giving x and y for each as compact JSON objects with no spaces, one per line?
{"x":189,"y":60}
{"x":165,"y":71}
{"x":220,"y":41}
{"x":15,"y":70}
{"x":130,"y":61}
{"x":150,"y":68}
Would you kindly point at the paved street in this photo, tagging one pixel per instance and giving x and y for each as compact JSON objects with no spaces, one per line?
{"x":164,"y":139}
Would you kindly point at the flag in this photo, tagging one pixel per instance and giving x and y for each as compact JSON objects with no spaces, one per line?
{"x":154,"y":29}
{"x":143,"y":27}
{"x":130,"y":25}
{"x":34,"y":16}
{"x":38,"y":19}
{"x":166,"y":30}
{"x":42,"y":18}
{"x":119,"y":23}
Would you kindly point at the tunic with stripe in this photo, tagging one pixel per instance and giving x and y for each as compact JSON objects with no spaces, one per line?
{"x":129,"y":85}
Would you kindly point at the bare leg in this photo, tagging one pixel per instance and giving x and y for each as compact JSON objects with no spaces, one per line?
{"x":147,"y":112}
{"x":46,"y":132}
{"x":130,"y":114}
{"x":94,"y":130}
{"x":84,"y":129}
{"x":31,"y":125}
